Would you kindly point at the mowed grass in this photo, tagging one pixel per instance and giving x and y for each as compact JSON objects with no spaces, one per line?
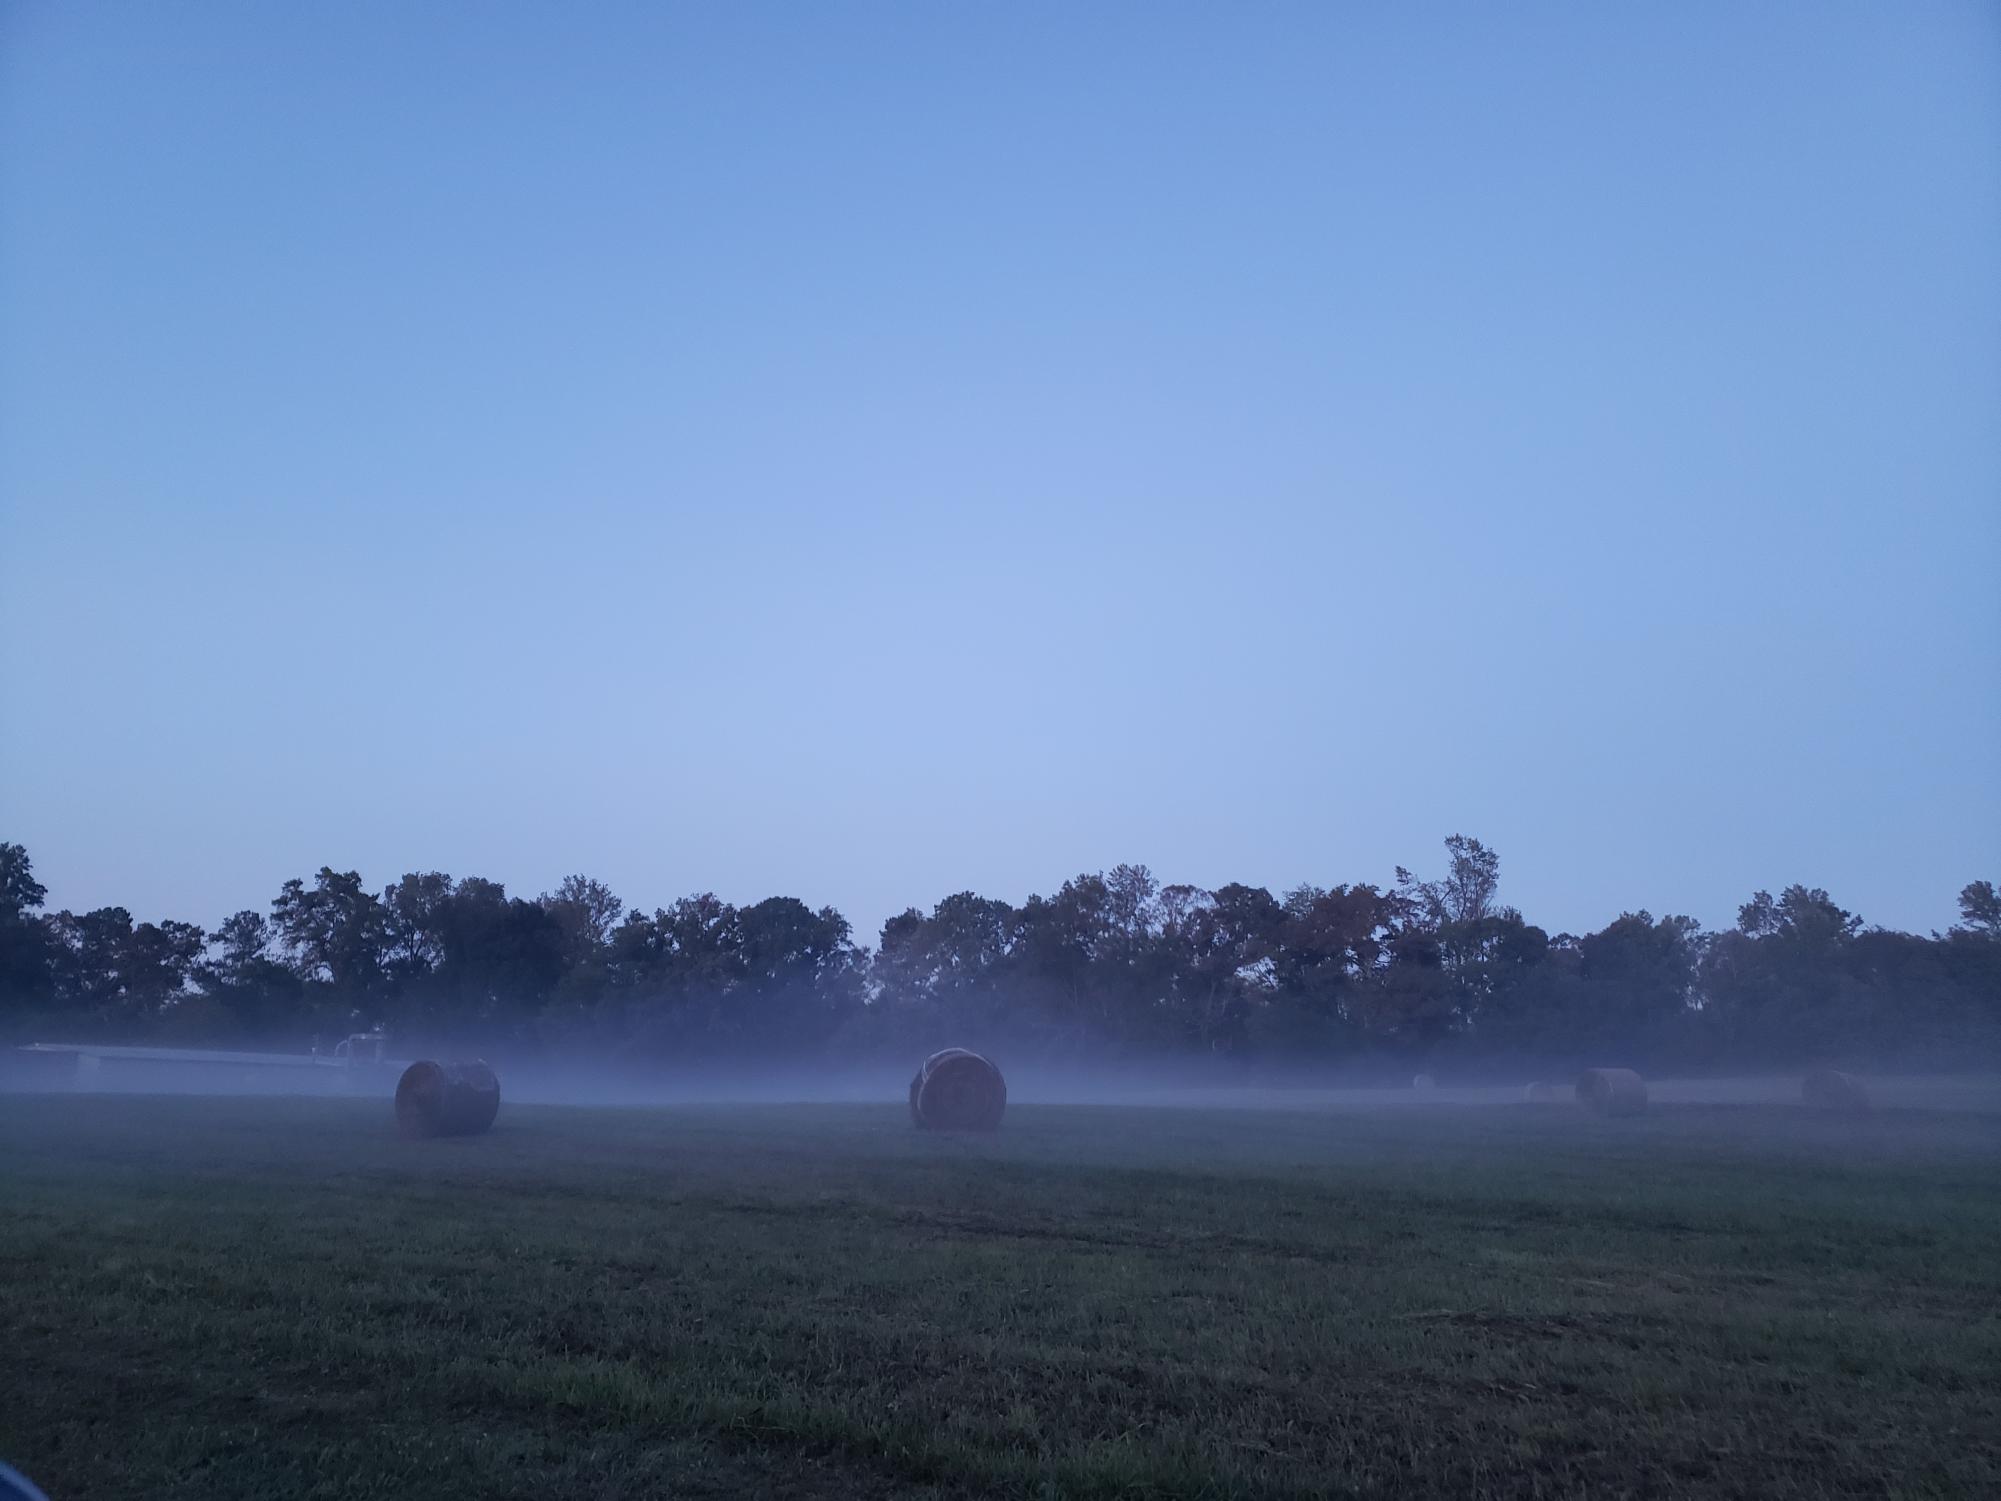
{"x":269,"y":1298}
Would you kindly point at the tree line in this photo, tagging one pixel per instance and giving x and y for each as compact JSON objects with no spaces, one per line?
{"x":1114,"y":964}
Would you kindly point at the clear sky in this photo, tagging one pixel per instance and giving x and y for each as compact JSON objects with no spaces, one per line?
{"x":867,"y":452}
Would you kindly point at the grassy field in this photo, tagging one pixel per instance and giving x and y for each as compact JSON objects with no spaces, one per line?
{"x":277,"y":1298}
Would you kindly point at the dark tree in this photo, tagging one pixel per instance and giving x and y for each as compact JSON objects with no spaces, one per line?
{"x":490,"y":961}
{"x":1778,"y":986}
{"x":1220,"y":946}
{"x":1466,"y":895}
{"x":1113,"y":962}
{"x":413,"y":924}
{"x":800,"y":975}
{"x":336,"y":932}
{"x":587,"y":912}
{"x":1980,"y":910}
{"x":264,"y":998}
{"x":944,"y":975}
{"x":112,"y":977}
{"x":26,"y":957}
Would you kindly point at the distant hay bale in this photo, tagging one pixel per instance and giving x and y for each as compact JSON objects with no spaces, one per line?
{"x":446,"y":1099}
{"x":1612,"y":1091}
{"x":1830,"y":1089}
{"x":958,"y":1090}
{"x":1423,"y":1081}
{"x":1543,"y":1094}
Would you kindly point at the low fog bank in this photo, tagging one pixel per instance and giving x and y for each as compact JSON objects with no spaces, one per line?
{"x":1169,"y":1084}
{"x":1177,"y":1089}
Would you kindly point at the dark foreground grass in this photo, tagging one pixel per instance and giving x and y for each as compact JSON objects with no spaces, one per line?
{"x":277,"y":1298}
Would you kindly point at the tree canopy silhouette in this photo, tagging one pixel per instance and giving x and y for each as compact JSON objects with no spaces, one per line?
{"x":1112,"y":963}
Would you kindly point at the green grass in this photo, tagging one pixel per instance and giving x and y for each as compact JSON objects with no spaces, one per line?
{"x":276,"y":1298}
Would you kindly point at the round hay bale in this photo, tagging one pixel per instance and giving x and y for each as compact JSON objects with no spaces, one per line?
{"x":1830,"y":1089}
{"x":1543,"y":1094}
{"x":958,"y":1090}
{"x":1423,"y":1081}
{"x":446,"y":1099}
{"x":1612,"y":1091}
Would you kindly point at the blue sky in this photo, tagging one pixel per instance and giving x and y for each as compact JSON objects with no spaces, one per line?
{"x":869,"y":452}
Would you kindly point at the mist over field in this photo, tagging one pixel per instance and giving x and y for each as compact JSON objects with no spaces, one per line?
{"x":1239,"y":1193}
{"x":1170,"y":1084}
{"x":1114,"y":977}
{"x":897,"y":752}
{"x":286,"y":1296}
